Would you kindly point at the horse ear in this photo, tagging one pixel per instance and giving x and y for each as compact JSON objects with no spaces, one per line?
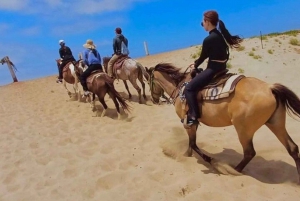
{"x":80,"y":56}
{"x":146,"y":68}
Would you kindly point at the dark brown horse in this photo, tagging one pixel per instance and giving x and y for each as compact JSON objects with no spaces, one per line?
{"x":131,"y":70}
{"x":101,"y":84}
{"x":254,"y":103}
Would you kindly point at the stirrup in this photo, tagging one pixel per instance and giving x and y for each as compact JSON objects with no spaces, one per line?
{"x":86,"y":93}
{"x":189,"y":122}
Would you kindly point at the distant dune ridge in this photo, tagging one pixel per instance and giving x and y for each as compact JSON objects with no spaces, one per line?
{"x":53,"y":148}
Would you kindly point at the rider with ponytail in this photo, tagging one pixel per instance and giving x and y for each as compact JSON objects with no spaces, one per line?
{"x":215,"y":47}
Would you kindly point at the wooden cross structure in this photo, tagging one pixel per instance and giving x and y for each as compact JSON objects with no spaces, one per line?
{"x":11,"y":67}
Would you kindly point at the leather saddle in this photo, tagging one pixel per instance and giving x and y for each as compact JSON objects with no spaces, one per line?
{"x":221,"y":86}
{"x":118,"y":64}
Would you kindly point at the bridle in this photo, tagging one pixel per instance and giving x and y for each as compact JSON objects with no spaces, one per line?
{"x":170,"y":100}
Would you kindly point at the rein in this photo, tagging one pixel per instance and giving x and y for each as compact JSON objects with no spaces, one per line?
{"x":170,"y":99}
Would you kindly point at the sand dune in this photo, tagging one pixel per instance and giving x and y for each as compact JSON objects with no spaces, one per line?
{"x":53,"y":148}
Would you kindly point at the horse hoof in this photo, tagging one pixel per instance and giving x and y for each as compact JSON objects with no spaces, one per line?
{"x":188,"y":154}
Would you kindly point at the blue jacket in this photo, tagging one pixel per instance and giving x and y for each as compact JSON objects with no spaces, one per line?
{"x":117,"y":41}
{"x":91,"y":56}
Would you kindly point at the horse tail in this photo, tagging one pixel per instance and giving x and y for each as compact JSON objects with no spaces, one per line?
{"x":288,"y":98}
{"x":112,"y":90}
{"x":146,"y":75}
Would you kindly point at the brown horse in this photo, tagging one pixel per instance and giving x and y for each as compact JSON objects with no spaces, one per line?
{"x":70,"y":76}
{"x":101,"y":84}
{"x":131,"y":70}
{"x":253,"y":104}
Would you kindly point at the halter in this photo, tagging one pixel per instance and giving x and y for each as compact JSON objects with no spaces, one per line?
{"x":170,"y":100}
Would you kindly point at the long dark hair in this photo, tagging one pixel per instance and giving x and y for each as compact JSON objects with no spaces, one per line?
{"x":213,"y":17}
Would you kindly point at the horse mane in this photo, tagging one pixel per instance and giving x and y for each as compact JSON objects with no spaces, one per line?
{"x":171,"y":70}
{"x":106,"y":59}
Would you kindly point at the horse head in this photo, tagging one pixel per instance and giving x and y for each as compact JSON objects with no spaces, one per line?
{"x":81,"y":66}
{"x":155,"y":89}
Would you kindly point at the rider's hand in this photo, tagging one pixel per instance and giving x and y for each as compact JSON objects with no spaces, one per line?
{"x":199,"y":70}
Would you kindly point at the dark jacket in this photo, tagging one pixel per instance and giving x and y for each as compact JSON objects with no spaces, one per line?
{"x":117,"y":43}
{"x":66,"y":53}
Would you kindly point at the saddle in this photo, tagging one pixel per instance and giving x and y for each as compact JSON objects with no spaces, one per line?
{"x":118,"y":64}
{"x":221,"y":86}
{"x":95,"y":74}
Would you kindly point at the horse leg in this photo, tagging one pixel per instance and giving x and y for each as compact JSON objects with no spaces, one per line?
{"x":245,"y":134}
{"x":193,"y":146}
{"x":126,"y":86}
{"x":113,"y":97}
{"x":101,"y":99}
{"x":65,"y":85}
{"x":277,"y":125}
{"x":140,"y":77}
{"x":75,"y":86}
{"x":134,"y":84}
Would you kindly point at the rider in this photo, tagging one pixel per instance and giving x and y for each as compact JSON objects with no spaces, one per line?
{"x":117,"y":47}
{"x":66,"y":56}
{"x":216,"y":49}
{"x":92,"y":59}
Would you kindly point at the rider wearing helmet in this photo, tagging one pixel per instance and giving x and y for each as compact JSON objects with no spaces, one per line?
{"x":66,"y":56}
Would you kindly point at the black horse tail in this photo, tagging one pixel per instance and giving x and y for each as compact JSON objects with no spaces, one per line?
{"x":111,"y":88}
{"x":288,"y":98}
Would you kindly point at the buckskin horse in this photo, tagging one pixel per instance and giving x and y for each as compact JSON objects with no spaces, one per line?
{"x":70,"y":76}
{"x":129,"y":70}
{"x":100,"y":83}
{"x":254,"y":103}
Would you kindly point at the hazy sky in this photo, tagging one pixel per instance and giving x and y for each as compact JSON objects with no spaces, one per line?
{"x":30,"y":29}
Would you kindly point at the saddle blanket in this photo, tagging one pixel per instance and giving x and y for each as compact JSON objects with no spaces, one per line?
{"x":216,"y":92}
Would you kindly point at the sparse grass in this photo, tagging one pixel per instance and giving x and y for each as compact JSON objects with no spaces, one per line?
{"x":240,"y":48}
{"x":228,"y":65}
{"x":253,"y":49}
{"x":197,"y":54}
{"x":288,"y":33}
{"x":257,"y":57}
{"x":251,"y":54}
{"x":270,"y":51}
{"x":264,"y":37}
{"x":294,"y":41}
{"x":240,"y":70}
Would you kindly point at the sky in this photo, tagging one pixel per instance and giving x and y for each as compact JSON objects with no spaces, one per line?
{"x":30,"y":29}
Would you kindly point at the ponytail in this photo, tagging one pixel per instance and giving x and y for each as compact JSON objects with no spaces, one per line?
{"x":233,"y":41}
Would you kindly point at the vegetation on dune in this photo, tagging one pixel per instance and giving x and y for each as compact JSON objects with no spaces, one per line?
{"x":294,"y":41}
{"x":197,"y":53}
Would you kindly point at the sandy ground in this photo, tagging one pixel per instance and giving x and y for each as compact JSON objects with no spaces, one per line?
{"x":54,"y":148}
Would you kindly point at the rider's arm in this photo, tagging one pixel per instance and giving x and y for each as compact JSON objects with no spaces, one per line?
{"x":204,"y":53}
{"x":85,"y":57}
{"x":61,"y":53}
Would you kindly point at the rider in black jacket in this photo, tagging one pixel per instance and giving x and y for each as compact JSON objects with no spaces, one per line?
{"x":66,"y":56}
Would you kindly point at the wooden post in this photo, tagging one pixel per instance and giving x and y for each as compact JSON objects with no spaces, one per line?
{"x":12,"y":72}
{"x":146,"y":48}
{"x":261,"y":41}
